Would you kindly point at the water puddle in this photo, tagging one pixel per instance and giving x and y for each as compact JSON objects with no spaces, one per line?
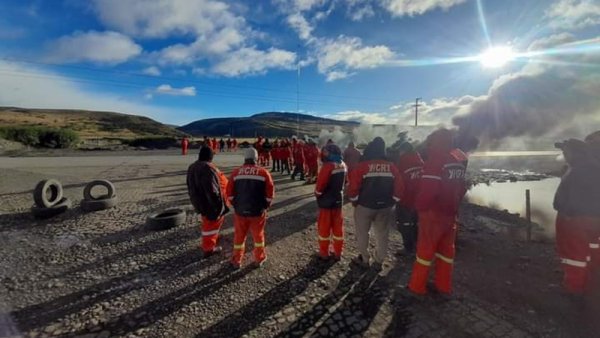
{"x":511,"y":196}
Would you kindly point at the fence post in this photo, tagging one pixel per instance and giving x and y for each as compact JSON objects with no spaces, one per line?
{"x":528,"y":213}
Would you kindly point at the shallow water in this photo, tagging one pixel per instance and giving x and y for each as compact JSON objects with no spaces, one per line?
{"x":511,"y":196}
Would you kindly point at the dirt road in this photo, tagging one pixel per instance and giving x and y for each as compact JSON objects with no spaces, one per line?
{"x":103,"y":274}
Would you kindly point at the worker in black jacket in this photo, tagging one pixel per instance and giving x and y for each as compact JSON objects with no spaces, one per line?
{"x":207,"y":189}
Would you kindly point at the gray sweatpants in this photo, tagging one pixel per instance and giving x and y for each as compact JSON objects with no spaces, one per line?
{"x":380,"y":219}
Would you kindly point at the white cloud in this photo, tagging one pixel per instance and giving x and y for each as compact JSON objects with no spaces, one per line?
{"x":417,"y":7}
{"x":92,"y":46}
{"x":163,"y":18}
{"x":358,"y":10}
{"x":291,"y":6}
{"x":364,"y":117}
{"x":300,"y":25}
{"x":166,"y":89}
{"x":153,"y":71}
{"x":32,"y":87}
{"x":253,"y":61}
{"x":551,"y":41}
{"x":572,"y":14}
{"x":344,"y":54}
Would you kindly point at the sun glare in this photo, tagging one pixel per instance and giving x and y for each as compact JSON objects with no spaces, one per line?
{"x":496,"y":57}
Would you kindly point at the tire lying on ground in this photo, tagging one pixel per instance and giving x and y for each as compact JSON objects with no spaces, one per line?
{"x":87,"y":190}
{"x":165,"y":219}
{"x":96,"y":203}
{"x":44,"y":188}
{"x":63,"y":205}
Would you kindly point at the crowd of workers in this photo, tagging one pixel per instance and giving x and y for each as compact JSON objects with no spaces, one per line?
{"x":420,"y":191}
{"x":424,"y":192}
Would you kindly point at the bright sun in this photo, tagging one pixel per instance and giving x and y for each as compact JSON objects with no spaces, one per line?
{"x":496,"y":57}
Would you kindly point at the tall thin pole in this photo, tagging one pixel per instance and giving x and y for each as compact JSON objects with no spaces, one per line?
{"x":298,"y":100}
{"x":417,"y":105}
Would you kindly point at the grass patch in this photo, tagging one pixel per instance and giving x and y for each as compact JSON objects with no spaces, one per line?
{"x":42,"y":137}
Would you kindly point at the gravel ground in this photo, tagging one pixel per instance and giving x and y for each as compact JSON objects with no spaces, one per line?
{"x":104,"y":275}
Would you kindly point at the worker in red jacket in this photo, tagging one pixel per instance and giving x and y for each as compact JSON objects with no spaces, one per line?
{"x":207,"y":190}
{"x":375,"y":186}
{"x":286,"y":156}
{"x":214,"y":145}
{"x":329,"y":190}
{"x":441,"y":190}
{"x":351,"y":156}
{"x":184,"y":146}
{"x":410,"y":166}
{"x":298,"y":158}
{"x":577,"y":201}
{"x":251,"y":192}
{"x":311,"y":157}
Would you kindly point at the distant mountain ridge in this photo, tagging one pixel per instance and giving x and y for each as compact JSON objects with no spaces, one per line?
{"x":88,"y":124}
{"x":268,"y":124}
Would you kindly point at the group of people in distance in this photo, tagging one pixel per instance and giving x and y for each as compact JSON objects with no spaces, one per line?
{"x":296,"y":157}
{"x":429,"y":191}
{"x":216,"y":146}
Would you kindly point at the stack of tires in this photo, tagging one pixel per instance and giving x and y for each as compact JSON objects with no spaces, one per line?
{"x":92,"y":203}
{"x":49,"y":200}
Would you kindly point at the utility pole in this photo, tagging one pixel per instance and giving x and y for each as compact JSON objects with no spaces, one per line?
{"x":417,"y":105}
{"x":298,"y":101}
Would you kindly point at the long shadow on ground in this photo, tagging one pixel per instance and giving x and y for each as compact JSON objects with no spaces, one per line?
{"x":253,"y":314}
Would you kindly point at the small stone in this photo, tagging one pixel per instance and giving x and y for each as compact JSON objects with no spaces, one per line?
{"x":357,"y":300}
{"x":337,"y":317}
{"x":351,"y":320}
{"x":334,"y":328}
{"x":103,"y":334}
{"x":180,"y":319}
{"x":324,"y":331}
{"x":302,"y":299}
{"x":291,"y":318}
{"x":281,"y":320}
{"x":52,"y":328}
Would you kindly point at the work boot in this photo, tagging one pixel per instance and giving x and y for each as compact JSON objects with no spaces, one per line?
{"x":234,"y":266}
{"x":214,"y":251}
{"x":258,"y":265}
{"x":360,"y":261}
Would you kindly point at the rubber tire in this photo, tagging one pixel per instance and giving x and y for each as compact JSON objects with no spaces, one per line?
{"x":39,"y":193}
{"x":87,"y":191}
{"x":57,"y":209}
{"x":173,"y":218}
{"x":99,"y":204}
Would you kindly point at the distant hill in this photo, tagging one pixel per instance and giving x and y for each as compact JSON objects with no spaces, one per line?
{"x":270,"y":124}
{"x":88,"y":124}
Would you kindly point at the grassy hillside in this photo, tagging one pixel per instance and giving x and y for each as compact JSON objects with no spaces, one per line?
{"x":87,"y":124}
{"x":270,"y":124}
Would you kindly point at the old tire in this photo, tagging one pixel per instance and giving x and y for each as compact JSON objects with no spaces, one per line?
{"x":98,"y":204}
{"x":54,"y":210}
{"x":165,"y":219}
{"x":40,"y":193}
{"x":87,"y":190}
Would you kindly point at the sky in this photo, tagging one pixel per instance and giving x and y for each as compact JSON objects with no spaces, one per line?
{"x":178,"y":61}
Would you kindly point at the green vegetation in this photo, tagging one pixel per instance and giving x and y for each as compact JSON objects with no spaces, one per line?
{"x":153,"y":142}
{"x":41,"y":136}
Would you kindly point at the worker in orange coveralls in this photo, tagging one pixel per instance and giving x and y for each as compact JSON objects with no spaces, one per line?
{"x":184,"y":146}
{"x":441,"y":190}
{"x":251,"y":191}
{"x":577,"y":201}
{"x":207,"y":189}
{"x":298,"y":158}
{"x":329,"y":190}
{"x":214,"y":146}
{"x":311,"y":156}
{"x":410,"y":166}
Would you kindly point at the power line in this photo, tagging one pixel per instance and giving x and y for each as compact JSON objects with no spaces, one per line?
{"x":196,"y":82}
